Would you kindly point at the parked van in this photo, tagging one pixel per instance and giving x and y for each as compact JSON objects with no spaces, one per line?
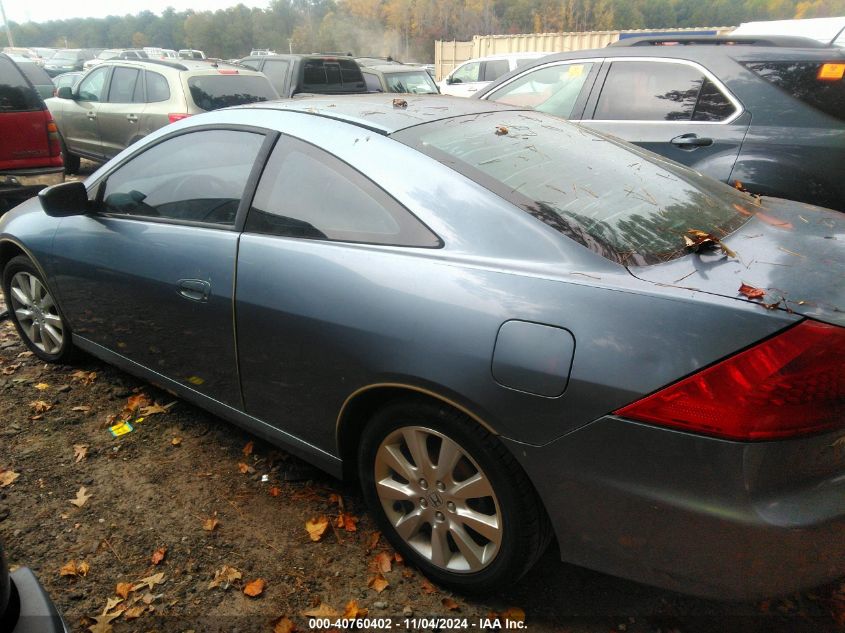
{"x":825,"y":30}
{"x":472,"y":75}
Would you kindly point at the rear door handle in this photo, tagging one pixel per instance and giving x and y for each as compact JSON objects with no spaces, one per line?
{"x":691,"y":141}
{"x":92,"y":115}
{"x":132,"y":118}
{"x":194,"y":289}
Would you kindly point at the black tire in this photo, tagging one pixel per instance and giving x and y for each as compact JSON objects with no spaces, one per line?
{"x":52,"y":315}
{"x":525,"y":529}
{"x":72,"y":161}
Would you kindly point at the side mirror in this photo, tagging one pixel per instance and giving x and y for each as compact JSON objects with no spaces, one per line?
{"x":65,"y":92}
{"x":64,"y":199}
{"x":449,"y":80}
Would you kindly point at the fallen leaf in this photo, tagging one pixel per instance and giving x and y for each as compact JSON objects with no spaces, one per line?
{"x":210,"y":524}
{"x":501,"y":130}
{"x":137,"y":401}
{"x":352,"y":611}
{"x":372,"y":542}
{"x":41,"y":386}
{"x":400,"y":103}
{"x":427,"y":587}
{"x":68,"y":569}
{"x":149,"y":582}
{"x":514,"y":614}
{"x":176,"y":441}
{"x":224,"y":577}
{"x":8,"y":477}
{"x":158,"y":555}
{"x":123,"y":589}
{"x":323,"y":611}
{"x":284,"y":625}
{"x":83,"y":568}
{"x":82,"y":408}
{"x":751,"y":292}
{"x":336,"y":498}
{"x":317,"y":527}
{"x":85,"y":377}
{"x":398,"y":558}
{"x":25,"y":355}
{"x":111,"y":603}
{"x":378,"y":582}
{"x":247,"y":449}
{"x":39,"y":406}
{"x":450,"y":604}
{"x":80,"y":452}
{"x":255,"y":588}
{"x":81,"y":497}
{"x":155,"y":408}
{"x":384,"y":562}
{"x":11,"y":369}
{"x":134,"y":612}
{"x":697,"y":241}
{"x":347,"y":522}
{"x":245,"y":468}
{"x":275,"y":491}
{"x":101,"y":623}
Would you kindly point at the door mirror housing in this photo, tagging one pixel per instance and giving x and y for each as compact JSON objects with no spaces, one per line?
{"x":64,"y":199}
{"x":450,"y":80}
{"x":65,"y":92}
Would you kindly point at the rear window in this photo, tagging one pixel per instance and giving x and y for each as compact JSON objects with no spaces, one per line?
{"x":36,"y":75}
{"x":626,"y":204}
{"x":211,"y":92}
{"x":16,"y":94}
{"x":417,"y":82}
{"x":63,"y":56}
{"x":332,"y":75}
{"x":802,"y":81}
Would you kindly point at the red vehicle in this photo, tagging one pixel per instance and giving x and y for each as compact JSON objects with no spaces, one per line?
{"x":30,"y":150}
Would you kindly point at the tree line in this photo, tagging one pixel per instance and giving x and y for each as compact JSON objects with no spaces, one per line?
{"x":404,"y":29}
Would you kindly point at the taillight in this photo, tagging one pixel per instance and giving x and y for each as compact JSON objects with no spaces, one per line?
{"x":177,"y":116}
{"x":227,"y":71}
{"x":791,"y":384}
{"x":53,"y":137}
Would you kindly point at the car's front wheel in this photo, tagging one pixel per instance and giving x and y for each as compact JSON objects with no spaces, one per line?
{"x":449,"y":497}
{"x":34,"y":311}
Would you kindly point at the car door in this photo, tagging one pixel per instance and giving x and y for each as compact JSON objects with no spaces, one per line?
{"x":121,"y":113}
{"x":464,"y":81}
{"x":303,"y":261}
{"x":80,"y":127}
{"x":673,"y":107}
{"x":558,"y":88}
{"x":149,"y":274}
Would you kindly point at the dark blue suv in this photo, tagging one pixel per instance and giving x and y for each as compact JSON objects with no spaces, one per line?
{"x":763,"y":114}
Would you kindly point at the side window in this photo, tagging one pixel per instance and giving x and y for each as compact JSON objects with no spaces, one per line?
{"x":16,"y":95}
{"x":197,"y":177}
{"x":122,"y":87}
{"x":373,"y":83}
{"x":551,"y":89}
{"x":251,"y":64}
{"x":649,"y":91}
{"x":495,"y":68}
{"x":308,"y":193}
{"x":276,"y":70}
{"x":91,"y":88}
{"x":712,"y":104}
{"x":157,"y":88}
{"x":467,"y":73}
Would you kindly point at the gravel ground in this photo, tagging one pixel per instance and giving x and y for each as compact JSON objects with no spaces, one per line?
{"x":201,"y":510}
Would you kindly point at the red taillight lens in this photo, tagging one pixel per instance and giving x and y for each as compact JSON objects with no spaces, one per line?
{"x":177,"y":116}
{"x":53,"y":137}
{"x":227,"y":71}
{"x":791,"y":384}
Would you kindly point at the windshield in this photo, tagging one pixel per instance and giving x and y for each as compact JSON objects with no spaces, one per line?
{"x":65,"y":56}
{"x":417,"y":82}
{"x":628,"y":205}
{"x":108,"y":54}
{"x":211,"y":92}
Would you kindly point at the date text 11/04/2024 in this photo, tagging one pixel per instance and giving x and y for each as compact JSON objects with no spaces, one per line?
{"x":417,"y":624}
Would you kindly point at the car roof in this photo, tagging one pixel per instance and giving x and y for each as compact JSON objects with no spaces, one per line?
{"x":183,"y":65}
{"x":393,"y":68}
{"x":377,"y":112}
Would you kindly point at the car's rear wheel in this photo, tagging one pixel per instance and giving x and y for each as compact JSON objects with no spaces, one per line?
{"x":72,"y":161}
{"x":449,"y":497}
{"x":34,"y":311}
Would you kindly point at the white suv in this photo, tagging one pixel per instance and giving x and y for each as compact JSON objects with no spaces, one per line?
{"x":472,"y":75}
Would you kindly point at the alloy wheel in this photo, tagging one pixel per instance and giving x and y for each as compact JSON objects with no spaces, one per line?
{"x":37,"y":313}
{"x":438,"y":499}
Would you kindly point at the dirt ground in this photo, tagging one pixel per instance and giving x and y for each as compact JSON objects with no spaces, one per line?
{"x":186,"y":512}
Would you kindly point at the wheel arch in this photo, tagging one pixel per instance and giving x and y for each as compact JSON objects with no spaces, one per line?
{"x":10,"y":248}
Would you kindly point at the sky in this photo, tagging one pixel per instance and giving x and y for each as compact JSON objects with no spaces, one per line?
{"x":43,"y":10}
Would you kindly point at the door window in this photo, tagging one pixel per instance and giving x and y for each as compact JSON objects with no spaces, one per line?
{"x":91,"y":88}
{"x":373,"y":83}
{"x":495,"y":68}
{"x":308,"y":193}
{"x":467,"y":73}
{"x":552,"y":89}
{"x":276,"y":71}
{"x":157,"y":88}
{"x":654,"y":91}
{"x":194,"y":177}
{"x":122,"y":87}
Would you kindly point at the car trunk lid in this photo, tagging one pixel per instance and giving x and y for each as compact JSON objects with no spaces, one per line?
{"x":792,"y":252}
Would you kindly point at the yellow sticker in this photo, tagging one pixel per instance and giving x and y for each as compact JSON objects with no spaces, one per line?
{"x":120,"y":429}
{"x":832,"y":71}
{"x":575,"y":70}
{"x":195,"y":380}
{"x":138,"y":420}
